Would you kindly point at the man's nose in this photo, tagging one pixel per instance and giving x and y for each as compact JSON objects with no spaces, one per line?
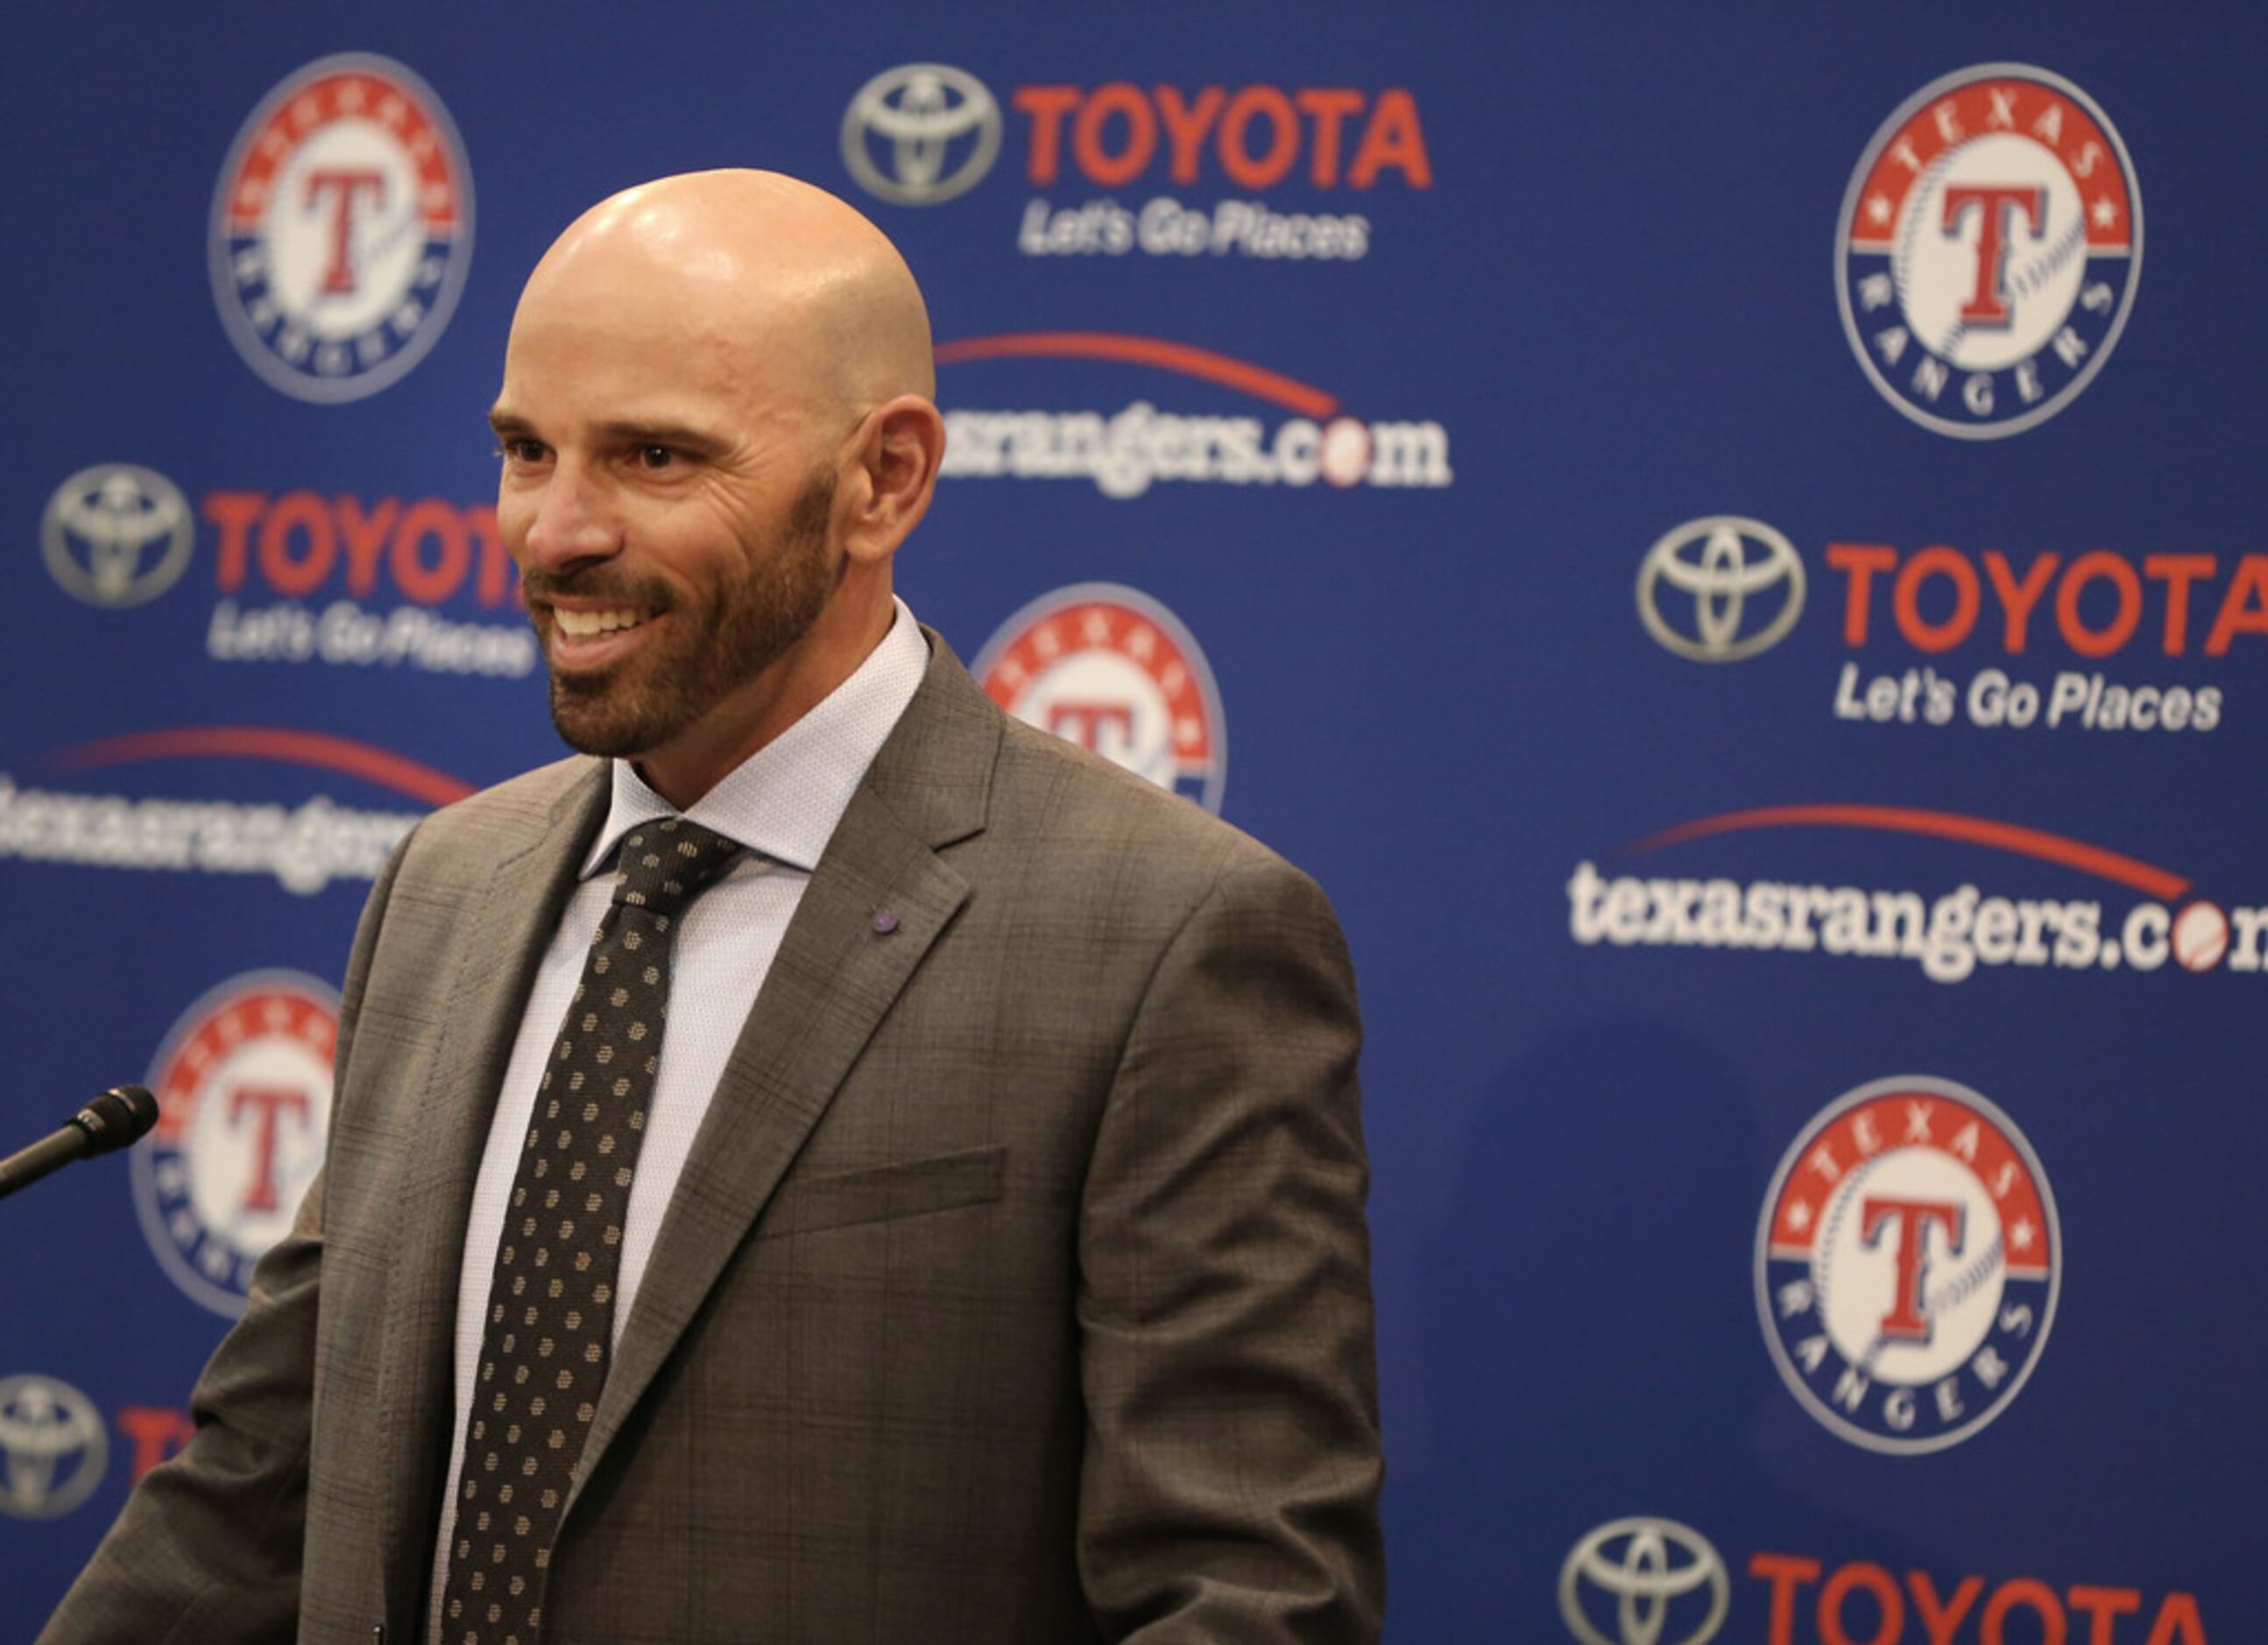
{"x":573,"y":523}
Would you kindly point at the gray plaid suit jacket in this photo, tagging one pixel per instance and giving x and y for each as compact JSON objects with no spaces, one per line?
{"x":1016,"y":1291}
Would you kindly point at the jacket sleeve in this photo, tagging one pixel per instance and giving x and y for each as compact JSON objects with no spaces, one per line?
{"x":208,"y":1547}
{"x":1232,"y":1463}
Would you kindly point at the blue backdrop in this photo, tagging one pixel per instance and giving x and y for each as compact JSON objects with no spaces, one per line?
{"x":1700,"y":526}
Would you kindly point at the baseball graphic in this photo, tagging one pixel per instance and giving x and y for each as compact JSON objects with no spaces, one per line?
{"x":1861,"y":1262}
{"x":2007,"y":194}
{"x":2200,"y":937}
{"x":1345,"y":452}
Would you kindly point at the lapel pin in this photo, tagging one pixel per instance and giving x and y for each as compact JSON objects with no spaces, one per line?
{"x":885,"y":921}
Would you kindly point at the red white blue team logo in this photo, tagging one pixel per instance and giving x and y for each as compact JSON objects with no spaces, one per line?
{"x":1988,"y":250}
{"x":1907,"y":1265}
{"x":1110,"y":669}
{"x":342,"y":229}
{"x":244,"y":1101}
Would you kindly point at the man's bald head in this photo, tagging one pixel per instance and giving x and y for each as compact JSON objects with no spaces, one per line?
{"x":718,"y":425}
{"x":755,"y":263}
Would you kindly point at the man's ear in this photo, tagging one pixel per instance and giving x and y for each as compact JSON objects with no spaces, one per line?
{"x":893,"y":471}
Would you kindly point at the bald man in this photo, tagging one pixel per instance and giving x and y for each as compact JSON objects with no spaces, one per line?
{"x":976,"y":1253}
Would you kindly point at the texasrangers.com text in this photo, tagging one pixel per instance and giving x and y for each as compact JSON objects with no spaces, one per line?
{"x":1950,"y":936}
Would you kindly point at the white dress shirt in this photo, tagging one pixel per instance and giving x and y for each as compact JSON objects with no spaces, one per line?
{"x":782,"y":804}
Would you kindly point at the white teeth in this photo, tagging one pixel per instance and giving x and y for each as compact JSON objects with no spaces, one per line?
{"x":583,"y":624}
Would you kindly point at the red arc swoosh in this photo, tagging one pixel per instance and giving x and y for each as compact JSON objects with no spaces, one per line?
{"x":2159,"y":883}
{"x":1242,"y":375}
{"x":259,"y":742}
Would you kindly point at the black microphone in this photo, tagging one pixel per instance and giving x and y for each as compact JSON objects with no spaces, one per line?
{"x":121,"y":1116}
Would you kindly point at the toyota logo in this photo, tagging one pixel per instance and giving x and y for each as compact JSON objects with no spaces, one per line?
{"x":117,"y":534}
{"x":53,"y":1449}
{"x":1654,"y":1571}
{"x":1739,"y":562}
{"x":921,"y":133}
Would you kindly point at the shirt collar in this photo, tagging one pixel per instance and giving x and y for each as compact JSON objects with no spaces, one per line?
{"x":783,"y":801}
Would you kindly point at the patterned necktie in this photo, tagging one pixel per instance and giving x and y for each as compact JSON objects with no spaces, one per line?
{"x":545,"y":1345}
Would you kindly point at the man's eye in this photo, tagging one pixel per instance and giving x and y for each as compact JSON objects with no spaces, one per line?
{"x":655,"y":456}
{"x":521,"y":451}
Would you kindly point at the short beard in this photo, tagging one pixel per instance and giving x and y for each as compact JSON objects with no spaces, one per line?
{"x":750,"y":624}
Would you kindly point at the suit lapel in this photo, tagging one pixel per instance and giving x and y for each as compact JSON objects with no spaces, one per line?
{"x":514,"y":905}
{"x":840,"y":967}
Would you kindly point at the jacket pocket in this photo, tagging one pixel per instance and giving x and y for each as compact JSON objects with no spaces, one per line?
{"x":910,"y":1187}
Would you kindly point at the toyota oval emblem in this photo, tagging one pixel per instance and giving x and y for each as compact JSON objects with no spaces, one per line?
{"x":921,"y":133}
{"x":1668,"y":1584}
{"x":1719,"y":610}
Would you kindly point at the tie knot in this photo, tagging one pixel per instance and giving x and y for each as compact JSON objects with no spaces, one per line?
{"x":666,"y":864}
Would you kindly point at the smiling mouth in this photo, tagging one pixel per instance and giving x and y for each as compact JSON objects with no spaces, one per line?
{"x":584,"y":625}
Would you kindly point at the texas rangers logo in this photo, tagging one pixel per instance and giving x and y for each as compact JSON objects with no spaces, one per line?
{"x":244,"y":1101}
{"x":342,"y":229}
{"x":1988,"y":250}
{"x":1907,"y":1265}
{"x":1109,"y":668}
